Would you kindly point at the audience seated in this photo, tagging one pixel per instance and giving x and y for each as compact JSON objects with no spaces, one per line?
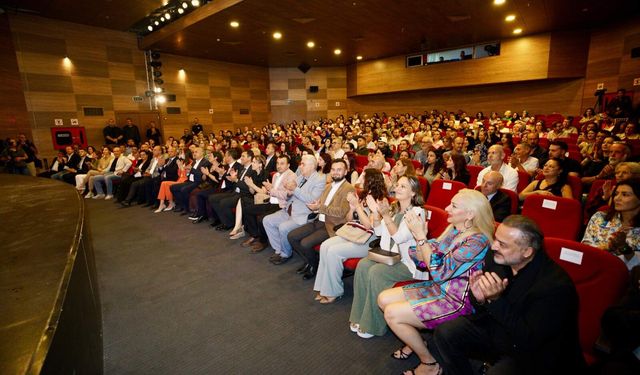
{"x":553,"y":183}
{"x":119,"y":165}
{"x":499,"y":200}
{"x":526,"y":318}
{"x":495,"y":157}
{"x":174,"y":172}
{"x":449,"y":261}
{"x":255,"y":186}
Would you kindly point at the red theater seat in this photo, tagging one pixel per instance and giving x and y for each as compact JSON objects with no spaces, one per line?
{"x":442,"y":191}
{"x":361,"y":162}
{"x":600,"y":279}
{"x":523,"y":180}
{"x":437,"y":218}
{"x":474,"y":171}
{"x":556,"y":216}
{"x":424,"y":185}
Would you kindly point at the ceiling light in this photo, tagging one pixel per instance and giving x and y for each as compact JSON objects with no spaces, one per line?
{"x":358,"y":57}
{"x":150,"y":28}
{"x":337,"y":51}
{"x":311,"y":44}
{"x":234,"y":23}
{"x":195,"y":3}
{"x":510,"y":18}
{"x":499,"y":2}
{"x":162,"y":19}
{"x":517,"y":31}
{"x":161,"y":99}
{"x":185,"y":5}
{"x":158,"y":89}
{"x":277,"y":35}
{"x":180,"y":10}
{"x":156,"y":23}
{"x":167,"y":16}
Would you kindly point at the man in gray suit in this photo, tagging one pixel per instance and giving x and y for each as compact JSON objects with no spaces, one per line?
{"x":310,"y":185}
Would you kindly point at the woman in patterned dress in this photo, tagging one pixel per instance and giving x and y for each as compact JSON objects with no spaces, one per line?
{"x":448,"y":260}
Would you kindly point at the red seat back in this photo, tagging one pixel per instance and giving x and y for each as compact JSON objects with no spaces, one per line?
{"x":474,"y":171}
{"x":442,"y":191}
{"x":424,"y":185}
{"x":416,"y":164}
{"x":437,"y":218}
{"x":523,"y":180}
{"x":600,"y":279}
{"x":361,"y":162}
{"x":556,"y":216}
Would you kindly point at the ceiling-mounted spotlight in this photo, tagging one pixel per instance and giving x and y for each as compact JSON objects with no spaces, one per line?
{"x":180,"y":10}
{"x":150,"y":28}
{"x":158,"y":81}
{"x":195,"y":3}
{"x":167,"y":16}
{"x":161,"y":99}
{"x":155,"y":55}
{"x":158,"y":90}
{"x":157,"y":74}
{"x":185,"y":5}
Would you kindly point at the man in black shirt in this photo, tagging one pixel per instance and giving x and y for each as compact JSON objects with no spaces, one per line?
{"x":112,"y":134}
{"x":130,"y":131}
{"x":527,"y":311}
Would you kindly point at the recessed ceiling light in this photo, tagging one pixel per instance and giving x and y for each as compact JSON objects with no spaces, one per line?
{"x":499,"y":2}
{"x":510,"y":18}
{"x":167,"y":16}
{"x":195,"y":3}
{"x":180,"y":10}
{"x":234,"y":23}
{"x":311,"y":44}
{"x":150,"y":28}
{"x":162,"y":19}
{"x":156,"y":23}
{"x":185,"y":5}
{"x":337,"y":51}
{"x":517,"y":31}
{"x":358,"y":57}
{"x":277,"y":35}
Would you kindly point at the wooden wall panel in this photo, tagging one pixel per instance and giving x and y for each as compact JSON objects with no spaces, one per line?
{"x":609,"y":60}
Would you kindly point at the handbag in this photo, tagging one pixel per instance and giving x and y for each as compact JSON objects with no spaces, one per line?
{"x":383,"y":256}
{"x":354,"y":232}
{"x":261,"y":198}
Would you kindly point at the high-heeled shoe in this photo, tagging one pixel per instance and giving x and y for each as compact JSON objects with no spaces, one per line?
{"x":160,"y":208}
{"x":413,"y":371}
{"x":170,"y":207}
{"x":238,"y":235}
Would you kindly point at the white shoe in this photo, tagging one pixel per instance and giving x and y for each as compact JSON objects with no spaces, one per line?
{"x":159,"y":209}
{"x":108,"y":197}
{"x":354,"y":327}
{"x":89,"y":195}
{"x":98,"y":196}
{"x":364,"y":335}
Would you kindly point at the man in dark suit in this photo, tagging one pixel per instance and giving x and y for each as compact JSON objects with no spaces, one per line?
{"x":194,"y":177}
{"x":526,"y":318}
{"x":270,"y":155}
{"x":499,"y":200}
{"x":72,"y":162}
{"x":81,"y":166}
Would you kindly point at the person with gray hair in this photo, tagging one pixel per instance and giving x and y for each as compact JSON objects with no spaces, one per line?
{"x":495,"y":157}
{"x":526,"y":319}
{"x":307,"y":188}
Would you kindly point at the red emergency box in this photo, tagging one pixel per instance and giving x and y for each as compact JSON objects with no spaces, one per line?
{"x":63,"y":137}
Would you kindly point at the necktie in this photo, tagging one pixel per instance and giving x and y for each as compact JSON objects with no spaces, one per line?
{"x":304,"y":181}
{"x":113,"y":165}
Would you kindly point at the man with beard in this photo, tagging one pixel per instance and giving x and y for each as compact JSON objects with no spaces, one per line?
{"x":332,"y":209}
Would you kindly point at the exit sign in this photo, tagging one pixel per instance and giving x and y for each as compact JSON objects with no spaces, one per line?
{"x":138,"y":99}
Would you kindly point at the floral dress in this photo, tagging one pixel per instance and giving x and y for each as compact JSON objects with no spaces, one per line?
{"x":599,"y":231}
{"x":446,"y":295}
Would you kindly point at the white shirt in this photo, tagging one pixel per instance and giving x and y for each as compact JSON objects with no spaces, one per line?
{"x":244,"y":172}
{"x":334,"y":188}
{"x":509,"y":175}
{"x":531,"y":164}
{"x":153,"y":166}
{"x":195,"y":166}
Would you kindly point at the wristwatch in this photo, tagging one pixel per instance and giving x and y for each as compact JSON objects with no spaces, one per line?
{"x":421,"y":242}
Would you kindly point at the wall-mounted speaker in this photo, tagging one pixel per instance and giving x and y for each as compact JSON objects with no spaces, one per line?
{"x":635,"y":52}
{"x":313,"y":89}
{"x":304,"y":67}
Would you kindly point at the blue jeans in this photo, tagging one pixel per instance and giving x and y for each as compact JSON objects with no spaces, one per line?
{"x":108,"y":182}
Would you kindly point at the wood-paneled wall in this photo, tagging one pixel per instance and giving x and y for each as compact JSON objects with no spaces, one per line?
{"x":292,"y":100}
{"x":106,"y":69}
{"x":14,"y":118}
{"x":610,"y":60}
{"x":528,"y":58}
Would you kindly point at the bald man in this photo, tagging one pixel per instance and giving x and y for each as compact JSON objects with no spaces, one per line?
{"x":495,"y":157}
{"x":499,"y":200}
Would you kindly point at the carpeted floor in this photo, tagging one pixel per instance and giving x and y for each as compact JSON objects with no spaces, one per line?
{"x":179,"y":298}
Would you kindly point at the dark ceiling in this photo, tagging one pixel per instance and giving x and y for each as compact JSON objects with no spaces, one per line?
{"x":371,"y":28}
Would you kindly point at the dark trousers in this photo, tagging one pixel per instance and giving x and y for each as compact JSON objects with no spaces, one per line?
{"x":124,"y":186}
{"x":181,"y":193}
{"x":222,"y":205}
{"x":304,"y":238}
{"x":453,"y":342}
{"x":152,"y":189}
{"x":252,"y":215}
{"x":202,"y":198}
{"x":137,"y":188}
{"x":69,"y":178}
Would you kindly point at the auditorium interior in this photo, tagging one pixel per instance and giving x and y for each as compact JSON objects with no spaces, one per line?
{"x":125,"y":270}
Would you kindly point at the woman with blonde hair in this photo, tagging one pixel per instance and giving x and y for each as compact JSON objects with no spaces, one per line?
{"x":448,"y":262}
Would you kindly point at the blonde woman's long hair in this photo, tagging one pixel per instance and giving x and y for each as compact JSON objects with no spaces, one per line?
{"x":482,"y":222}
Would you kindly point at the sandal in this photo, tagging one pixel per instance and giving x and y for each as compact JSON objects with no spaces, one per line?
{"x":413,"y":371}
{"x":401,"y":355}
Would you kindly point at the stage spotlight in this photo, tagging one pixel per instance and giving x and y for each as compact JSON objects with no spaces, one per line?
{"x":161,"y":99}
{"x":157,"y":74}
